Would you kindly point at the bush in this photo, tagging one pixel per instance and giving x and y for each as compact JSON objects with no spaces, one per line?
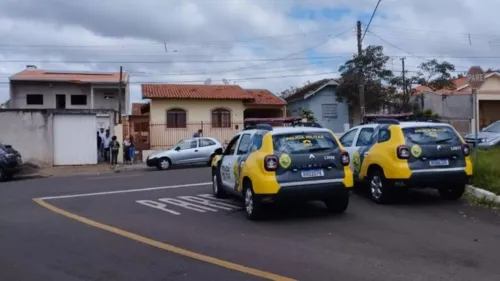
{"x":487,"y":170}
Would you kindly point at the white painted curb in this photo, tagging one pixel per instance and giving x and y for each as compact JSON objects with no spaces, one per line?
{"x":482,"y":194}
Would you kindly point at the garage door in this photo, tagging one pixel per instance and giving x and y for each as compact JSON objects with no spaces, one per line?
{"x":75,"y":141}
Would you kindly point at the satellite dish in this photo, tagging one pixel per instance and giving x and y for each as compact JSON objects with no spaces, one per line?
{"x":208,"y":81}
{"x":225,"y":82}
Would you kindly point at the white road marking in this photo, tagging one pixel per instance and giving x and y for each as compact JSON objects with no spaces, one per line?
{"x":157,"y":205}
{"x":124,"y":191}
{"x":115,"y":177}
{"x":187,"y":205}
{"x":231,"y":203}
{"x":207,"y":202}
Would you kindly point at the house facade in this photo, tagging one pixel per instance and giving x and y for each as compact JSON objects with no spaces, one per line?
{"x":320,"y":98}
{"x":33,"y":88}
{"x":178,"y":111}
{"x":457,"y":106}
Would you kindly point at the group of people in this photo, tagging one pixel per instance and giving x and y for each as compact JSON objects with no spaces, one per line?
{"x":108,"y":148}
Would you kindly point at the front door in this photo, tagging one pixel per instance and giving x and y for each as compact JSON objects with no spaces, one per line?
{"x":186,"y":152}
{"x":227,"y":165}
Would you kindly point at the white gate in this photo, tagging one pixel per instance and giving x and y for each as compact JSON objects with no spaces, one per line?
{"x":75,"y":141}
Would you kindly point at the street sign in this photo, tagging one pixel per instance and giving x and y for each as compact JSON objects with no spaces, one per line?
{"x":475,"y":75}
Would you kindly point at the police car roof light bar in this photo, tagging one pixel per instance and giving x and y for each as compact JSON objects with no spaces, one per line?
{"x":386,"y":121}
{"x":265,"y":127}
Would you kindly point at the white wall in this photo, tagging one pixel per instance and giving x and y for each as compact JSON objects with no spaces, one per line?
{"x":30,"y":133}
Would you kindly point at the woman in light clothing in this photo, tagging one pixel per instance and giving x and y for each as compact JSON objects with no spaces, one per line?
{"x":126,"y":149}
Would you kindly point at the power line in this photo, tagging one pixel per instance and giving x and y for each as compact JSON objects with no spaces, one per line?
{"x":371,"y":18}
{"x":389,"y":43}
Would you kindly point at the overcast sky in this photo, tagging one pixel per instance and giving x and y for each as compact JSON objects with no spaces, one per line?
{"x":287,"y":42}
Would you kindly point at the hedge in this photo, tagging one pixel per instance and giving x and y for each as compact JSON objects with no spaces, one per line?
{"x":487,"y":170}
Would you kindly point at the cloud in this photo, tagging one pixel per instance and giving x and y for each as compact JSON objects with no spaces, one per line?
{"x":240,"y":40}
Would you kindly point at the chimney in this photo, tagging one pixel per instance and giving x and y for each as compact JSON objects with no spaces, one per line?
{"x":31,"y":66}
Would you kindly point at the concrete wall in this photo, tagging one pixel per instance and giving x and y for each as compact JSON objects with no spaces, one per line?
{"x":19,"y":90}
{"x":315,"y":104}
{"x":30,"y":133}
{"x":458,"y":106}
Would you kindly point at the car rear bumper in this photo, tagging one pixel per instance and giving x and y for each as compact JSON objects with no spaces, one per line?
{"x":153,"y":162}
{"x":308,"y":191}
{"x":435,"y":179}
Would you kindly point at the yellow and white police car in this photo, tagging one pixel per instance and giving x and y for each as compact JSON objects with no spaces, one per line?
{"x":270,"y":164}
{"x":391,"y":156}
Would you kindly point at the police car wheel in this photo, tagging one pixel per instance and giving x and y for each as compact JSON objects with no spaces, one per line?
{"x":338,"y":204}
{"x":216,"y":187}
{"x":380,"y":190}
{"x":452,"y":193}
{"x":253,"y":209}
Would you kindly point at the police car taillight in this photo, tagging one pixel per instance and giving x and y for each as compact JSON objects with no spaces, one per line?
{"x":344,"y":158}
{"x":466,"y":149}
{"x":271,"y":163}
{"x":403,"y":152}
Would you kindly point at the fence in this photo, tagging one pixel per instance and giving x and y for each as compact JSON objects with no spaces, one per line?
{"x":163,"y":137}
{"x":463,"y":126}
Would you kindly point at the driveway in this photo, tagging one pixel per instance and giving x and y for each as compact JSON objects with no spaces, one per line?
{"x":167,"y":226}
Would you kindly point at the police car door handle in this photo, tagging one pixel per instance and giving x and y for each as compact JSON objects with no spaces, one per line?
{"x":196,"y":150}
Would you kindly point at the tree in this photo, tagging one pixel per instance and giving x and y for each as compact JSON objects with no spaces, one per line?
{"x":308,"y":114}
{"x":373,"y":62}
{"x":400,"y":94}
{"x":436,"y":76}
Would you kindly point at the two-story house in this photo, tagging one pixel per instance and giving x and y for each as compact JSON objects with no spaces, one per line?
{"x":34,"y":88}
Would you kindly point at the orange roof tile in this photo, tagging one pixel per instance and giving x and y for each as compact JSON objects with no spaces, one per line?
{"x":186,"y":91}
{"x":459,"y":82}
{"x":68,"y":76}
{"x":265,"y":97}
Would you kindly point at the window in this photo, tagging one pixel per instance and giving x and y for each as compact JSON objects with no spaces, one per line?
{"x":365,"y":137}
{"x":347,"y":139}
{"x":430,"y":135}
{"x":34,"y":99}
{"x":221,"y":118}
{"x":231,"y":147}
{"x":256,"y":142}
{"x":309,"y":142}
{"x":176,"y":118}
{"x":329,"y":111}
{"x":78,"y":99}
{"x":206,"y":142}
{"x":384,"y":135}
{"x":141,"y":126}
{"x":187,"y":144}
{"x":245,"y":141}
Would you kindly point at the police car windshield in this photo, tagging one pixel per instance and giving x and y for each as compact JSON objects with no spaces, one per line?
{"x":296,"y":143}
{"x":430,"y":135}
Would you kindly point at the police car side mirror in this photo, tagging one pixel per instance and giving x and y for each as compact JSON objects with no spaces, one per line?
{"x":177,"y":148}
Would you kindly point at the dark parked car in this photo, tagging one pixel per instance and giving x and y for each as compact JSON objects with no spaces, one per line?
{"x":10,"y":162}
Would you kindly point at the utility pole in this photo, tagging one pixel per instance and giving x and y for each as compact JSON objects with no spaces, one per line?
{"x":360,"y":69}
{"x":120,"y":96}
{"x":404,"y":77}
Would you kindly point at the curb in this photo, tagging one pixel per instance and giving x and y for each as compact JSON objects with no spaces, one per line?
{"x":483,"y":194}
{"x":29,"y":176}
{"x":119,"y":169}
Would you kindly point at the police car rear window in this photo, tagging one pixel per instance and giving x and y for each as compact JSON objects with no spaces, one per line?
{"x":304,"y":142}
{"x":430,"y":135}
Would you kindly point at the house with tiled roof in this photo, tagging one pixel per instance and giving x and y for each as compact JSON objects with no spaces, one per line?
{"x":178,"y":110}
{"x":35,"y":88}
{"x":456,"y":106}
{"x":320,"y":98}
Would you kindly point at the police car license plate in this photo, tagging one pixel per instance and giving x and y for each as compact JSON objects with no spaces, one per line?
{"x":312,"y":173}
{"x":439,"y":162}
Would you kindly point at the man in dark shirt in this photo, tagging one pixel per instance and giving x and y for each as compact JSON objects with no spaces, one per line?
{"x":99,"y":142}
{"x":198,"y":134}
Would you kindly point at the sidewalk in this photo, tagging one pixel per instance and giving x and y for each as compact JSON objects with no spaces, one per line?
{"x":59,"y":171}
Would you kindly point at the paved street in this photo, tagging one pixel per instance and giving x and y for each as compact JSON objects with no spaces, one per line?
{"x":166,"y":226}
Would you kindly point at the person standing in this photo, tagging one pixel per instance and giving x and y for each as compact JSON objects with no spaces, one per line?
{"x":198,"y":134}
{"x":99,"y":143}
{"x":106,"y":146}
{"x":131,"y":150}
{"x":114,"y":147}
{"x":126,"y":148}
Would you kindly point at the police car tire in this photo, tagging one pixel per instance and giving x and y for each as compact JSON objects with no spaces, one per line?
{"x":452,"y":193}
{"x":218,"y":191}
{"x":257,"y":207}
{"x":387,"y":190}
{"x":338,"y":204}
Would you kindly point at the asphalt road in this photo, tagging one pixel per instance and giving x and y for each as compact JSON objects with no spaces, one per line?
{"x":140,"y":226}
